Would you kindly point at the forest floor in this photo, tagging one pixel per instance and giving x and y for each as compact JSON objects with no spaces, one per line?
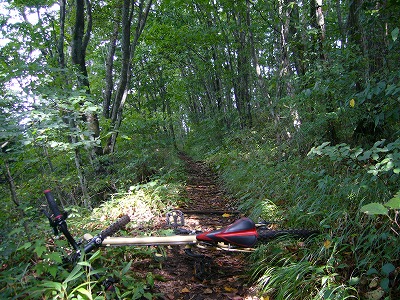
{"x":227,"y":273}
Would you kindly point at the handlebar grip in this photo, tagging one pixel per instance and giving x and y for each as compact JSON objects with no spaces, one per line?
{"x":265,"y":234}
{"x":52,"y":203}
{"x":113,"y":228}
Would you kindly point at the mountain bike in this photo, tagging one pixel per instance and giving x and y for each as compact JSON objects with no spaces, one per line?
{"x":242,"y":235}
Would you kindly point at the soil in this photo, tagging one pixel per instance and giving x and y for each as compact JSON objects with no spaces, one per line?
{"x":225,"y":273}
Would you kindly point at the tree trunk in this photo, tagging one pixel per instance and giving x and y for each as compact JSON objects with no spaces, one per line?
{"x":318,"y":22}
{"x":60,"y":44}
{"x":109,"y":72}
{"x":356,"y":37}
{"x":284,"y":86}
{"x":128,"y":51}
{"x":243,"y":66}
{"x":14,"y":197}
{"x":79,"y":43}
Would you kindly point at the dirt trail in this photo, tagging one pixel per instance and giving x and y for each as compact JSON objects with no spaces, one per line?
{"x":226,"y":276}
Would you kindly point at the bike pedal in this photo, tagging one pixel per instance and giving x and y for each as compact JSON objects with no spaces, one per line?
{"x":175,"y":219}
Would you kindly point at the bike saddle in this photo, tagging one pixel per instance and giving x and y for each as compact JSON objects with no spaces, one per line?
{"x":241,"y":233}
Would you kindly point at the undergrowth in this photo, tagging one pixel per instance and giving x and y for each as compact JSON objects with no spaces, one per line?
{"x":32,"y":264}
{"x":356,"y":255}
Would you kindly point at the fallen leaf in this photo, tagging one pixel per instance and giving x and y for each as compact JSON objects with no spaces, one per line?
{"x":374,"y":295}
{"x":208,"y":291}
{"x":327,"y":244}
{"x":230,"y":289}
{"x":185,"y":290}
{"x":301,"y":244}
{"x":225,"y":215}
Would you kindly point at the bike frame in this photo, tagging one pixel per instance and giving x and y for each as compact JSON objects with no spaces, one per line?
{"x":242,"y":234}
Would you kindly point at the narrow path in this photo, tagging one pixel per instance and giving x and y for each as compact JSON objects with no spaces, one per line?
{"x":208,"y":209}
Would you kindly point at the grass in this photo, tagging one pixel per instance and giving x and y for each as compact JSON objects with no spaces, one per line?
{"x":276,"y":183}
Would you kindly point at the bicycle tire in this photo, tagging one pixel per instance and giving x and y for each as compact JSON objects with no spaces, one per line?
{"x":265,"y":234}
{"x":114,"y":227}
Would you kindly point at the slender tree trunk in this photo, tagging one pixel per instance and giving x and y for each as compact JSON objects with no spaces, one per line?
{"x":60,"y":44}
{"x":318,"y":22}
{"x":109,"y":72}
{"x":243,"y":65}
{"x":341,"y":24}
{"x":123,"y":79}
{"x":14,"y":196}
{"x":284,"y":86}
{"x":298,"y":42}
{"x":356,"y":37}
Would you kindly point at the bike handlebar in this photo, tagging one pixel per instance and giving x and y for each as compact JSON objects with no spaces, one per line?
{"x":110,"y":230}
{"x":58,"y":221}
{"x":52,"y":203}
{"x":113,"y":228}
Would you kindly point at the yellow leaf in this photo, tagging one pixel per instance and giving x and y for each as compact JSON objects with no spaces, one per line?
{"x":225,"y":215}
{"x":185,"y":290}
{"x":352,"y":103}
{"x":230,"y":289}
{"x":327,"y":244}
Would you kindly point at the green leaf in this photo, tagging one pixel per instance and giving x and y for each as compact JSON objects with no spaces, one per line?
{"x":388,"y":268}
{"x":95,"y":256}
{"x":395,"y":34}
{"x":54,"y":257}
{"x":385,"y":284}
{"x":84,"y":292}
{"x":394,"y":203}
{"x":374,"y":209}
{"x":126,"y":268}
{"x":354,"y":281}
{"x":372,"y":271}
{"x":25,"y":246}
{"x":52,"y":270}
{"x":39,"y":249}
{"x":75,"y":273}
{"x":52,"y":285}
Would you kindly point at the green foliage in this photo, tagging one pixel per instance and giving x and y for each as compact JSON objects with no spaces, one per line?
{"x":339,"y":97}
{"x":324,"y":190}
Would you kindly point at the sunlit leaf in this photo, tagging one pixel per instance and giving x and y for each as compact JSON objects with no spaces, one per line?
{"x":395,"y":34}
{"x":394,"y":203}
{"x":374,"y":209}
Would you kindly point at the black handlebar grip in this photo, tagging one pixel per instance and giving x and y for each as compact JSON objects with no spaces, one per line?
{"x":113,"y":228}
{"x":52,"y":203}
{"x":265,"y":234}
